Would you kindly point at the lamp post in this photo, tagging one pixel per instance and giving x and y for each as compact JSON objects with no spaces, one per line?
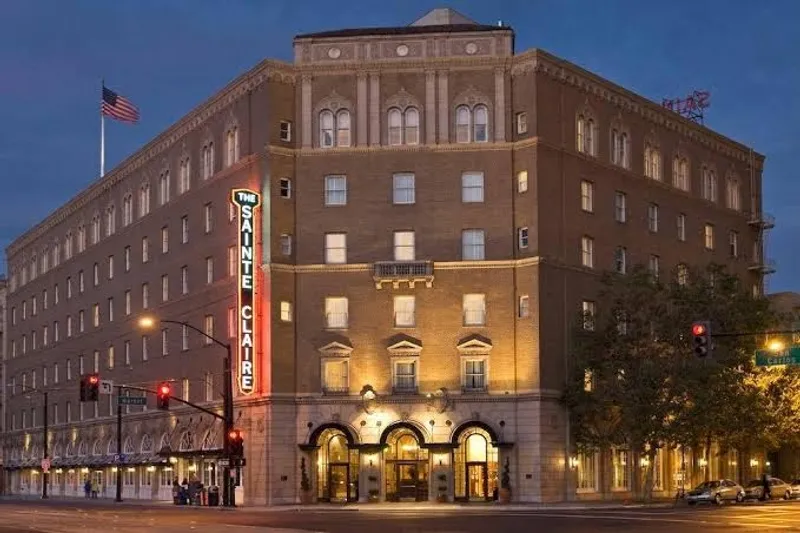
{"x":228,"y":490}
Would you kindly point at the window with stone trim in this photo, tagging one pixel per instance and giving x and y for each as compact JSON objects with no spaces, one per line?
{"x":334,"y":128}
{"x":620,"y":147}
{"x":231,"y":146}
{"x":472,"y":123}
{"x":733,"y":194}
{"x":680,"y":172}
{"x":652,"y":162}
{"x":403,"y":126}
{"x":709,"y":184}
{"x":586,"y":136}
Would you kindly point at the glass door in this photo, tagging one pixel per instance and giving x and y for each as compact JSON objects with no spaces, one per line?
{"x":477,"y":485}
{"x":338,"y":482}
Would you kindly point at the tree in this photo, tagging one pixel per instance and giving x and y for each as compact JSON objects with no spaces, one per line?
{"x":635,"y":382}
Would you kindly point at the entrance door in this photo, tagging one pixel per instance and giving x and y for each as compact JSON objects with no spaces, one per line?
{"x":338,"y":482}
{"x":412,"y":481}
{"x":477,"y":485}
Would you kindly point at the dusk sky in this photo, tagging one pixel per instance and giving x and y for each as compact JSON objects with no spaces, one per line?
{"x":168,"y":56}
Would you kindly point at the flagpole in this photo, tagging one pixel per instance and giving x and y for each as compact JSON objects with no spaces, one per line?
{"x":102,"y":133}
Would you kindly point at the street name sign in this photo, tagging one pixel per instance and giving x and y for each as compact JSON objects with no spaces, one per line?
{"x":789,"y":356}
{"x":133,"y":400}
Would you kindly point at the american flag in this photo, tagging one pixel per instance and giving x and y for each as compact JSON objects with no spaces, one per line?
{"x":118,"y":107}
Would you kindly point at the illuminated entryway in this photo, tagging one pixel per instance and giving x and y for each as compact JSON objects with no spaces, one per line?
{"x":337,"y":467}
{"x":406,"y":470}
{"x":475,"y":465}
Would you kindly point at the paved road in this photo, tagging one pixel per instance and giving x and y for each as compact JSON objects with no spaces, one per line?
{"x":75,"y":517}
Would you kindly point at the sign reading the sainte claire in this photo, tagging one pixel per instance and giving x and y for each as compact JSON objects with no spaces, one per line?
{"x":247,"y":202}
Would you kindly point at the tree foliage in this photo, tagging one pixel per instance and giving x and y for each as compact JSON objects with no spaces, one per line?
{"x":636,"y":383}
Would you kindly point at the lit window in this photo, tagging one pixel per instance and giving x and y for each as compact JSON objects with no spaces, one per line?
{"x":336,"y":313}
{"x":682,"y":274}
{"x":522,"y":181}
{"x":404,"y":312}
{"x":110,"y":360}
{"x":404,"y":246}
{"x":587,"y":251}
{"x":708,"y":233}
{"x":208,"y":328}
{"x":586,"y":135}
{"x":586,"y":467}
{"x":145,"y":296}
{"x":335,"y":377}
{"x":473,"y":245}
{"x":145,"y":249}
{"x":232,"y":258}
{"x":587,"y":196}
{"x":286,"y":311}
{"x":589,"y":312}
{"x":474,"y":309}
{"x":96,"y":315}
{"x":652,"y":162}
{"x":620,"y":470}
{"x":335,"y":248}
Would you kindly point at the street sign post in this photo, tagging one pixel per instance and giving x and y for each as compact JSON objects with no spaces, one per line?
{"x":45,"y":465}
{"x":106,"y":386}
{"x":789,"y":356}
{"x":133,"y":400}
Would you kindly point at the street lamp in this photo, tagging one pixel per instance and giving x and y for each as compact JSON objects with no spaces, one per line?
{"x":228,"y":491}
{"x":776,"y":345}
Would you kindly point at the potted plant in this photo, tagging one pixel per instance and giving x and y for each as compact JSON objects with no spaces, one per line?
{"x":305,"y":483}
{"x":505,"y":483}
{"x":442,"y":496}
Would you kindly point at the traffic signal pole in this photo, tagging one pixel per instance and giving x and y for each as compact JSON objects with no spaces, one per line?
{"x":119,"y":445}
{"x":228,"y":486}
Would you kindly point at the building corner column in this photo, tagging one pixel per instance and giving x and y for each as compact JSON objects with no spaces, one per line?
{"x":305,"y":110}
{"x":361,"y":109}
{"x":430,"y":107}
{"x":374,"y":109}
{"x":444,"y":109}
{"x":499,"y":105}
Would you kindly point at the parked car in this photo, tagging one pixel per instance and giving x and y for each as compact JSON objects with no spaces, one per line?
{"x":795,"y":484}
{"x":716,"y":491}
{"x":777,"y":489}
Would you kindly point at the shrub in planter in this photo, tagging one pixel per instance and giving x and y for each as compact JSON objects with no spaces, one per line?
{"x":505,"y":483}
{"x":442,"y":496}
{"x":374,"y":495}
{"x":305,"y":483}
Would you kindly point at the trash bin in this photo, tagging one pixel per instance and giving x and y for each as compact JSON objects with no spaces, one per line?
{"x":213,"y":496}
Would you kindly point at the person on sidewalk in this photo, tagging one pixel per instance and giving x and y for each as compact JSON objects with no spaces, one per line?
{"x":767,"y":492}
{"x":87,"y":488}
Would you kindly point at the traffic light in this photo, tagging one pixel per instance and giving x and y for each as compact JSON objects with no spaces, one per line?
{"x":236,"y":443}
{"x":162,"y":396}
{"x":90,"y":387}
{"x":701,"y":339}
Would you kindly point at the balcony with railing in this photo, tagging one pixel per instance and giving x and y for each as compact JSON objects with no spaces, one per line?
{"x":397,"y":272}
{"x":762,"y":221}
{"x":764,"y":266}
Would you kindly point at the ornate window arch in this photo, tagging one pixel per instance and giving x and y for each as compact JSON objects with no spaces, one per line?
{"x":56,"y":252}
{"x":127,"y":209}
{"x":147,"y":444}
{"x":127,"y":446}
{"x":733,"y":192}
{"x":620,"y":145}
{"x":96,"y":448}
{"x":163,"y":187}
{"x":709,"y":182}
{"x":70,"y":451}
{"x":111,"y":448}
{"x":231,"y":145}
{"x":68,"y":242}
{"x":186,"y":442}
{"x":652,"y":160}
{"x":82,"y":448}
{"x":144,"y":199}
{"x":680,"y":171}
{"x":165,"y":442}
{"x":395,"y":125}
{"x":57,"y":453}
{"x":96,"y":227}
{"x":586,"y":132}
{"x":209,"y":440}
{"x":403,"y":120}
{"x":207,"y":159}
{"x":184,"y":174}
{"x":111,"y":219}
{"x":472,"y":112}
{"x":45,"y":255}
{"x":335,"y":121}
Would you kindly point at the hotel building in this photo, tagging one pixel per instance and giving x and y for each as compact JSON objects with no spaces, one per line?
{"x":435,"y":209}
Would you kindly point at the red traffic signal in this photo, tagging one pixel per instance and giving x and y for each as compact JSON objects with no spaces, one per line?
{"x":90,"y":387}
{"x":698,"y":329}
{"x":236,"y":443}
{"x":162,"y":396}
{"x":94,"y":379}
{"x":701,"y":339}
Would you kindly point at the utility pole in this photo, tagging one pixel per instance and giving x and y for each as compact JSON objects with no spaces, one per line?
{"x":228,"y":487}
{"x":45,"y":474}
{"x":119,"y":445}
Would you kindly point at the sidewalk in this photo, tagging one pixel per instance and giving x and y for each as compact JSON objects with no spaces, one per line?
{"x":480,"y":508}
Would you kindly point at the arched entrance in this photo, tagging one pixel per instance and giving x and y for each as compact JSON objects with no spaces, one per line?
{"x":476,"y":475}
{"x":337,"y":467}
{"x":406,"y":465}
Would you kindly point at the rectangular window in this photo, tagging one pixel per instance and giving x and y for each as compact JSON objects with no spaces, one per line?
{"x":474,"y":309}
{"x":184,"y":280}
{"x":184,"y":338}
{"x":209,"y":270}
{"x":164,"y":288}
{"x":69,"y":287}
{"x":286,"y":311}
{"x":733,"y":241}
{"x":404,"y":312}
{"x":336,"y":313}
{"x":96,"y":361}
{"x":164,"y":342}
{"x":522,"y":123}
{"x":286,"y":188}
{"x":335,"y":376}
{"x":472,"y":187}
{"x":232,"y":322}
{"x":81,"y":288}
{"x":621,"y":207}
{"x":587,"y":251}
{"x":184,"y":229}
{"x":127,"y":302}
{"x":111,"y":309}
{"x":208,"y":328}
{"x":522,"y":238}
{"x":96,"y":315}
{"x":681,"y":226}
{"x":185,"y":389}
{"x":69,"y":370}
{"x":474,"y":374}
{"x":708,"y":232}
{"x":654,"y":266}
{"x":652,"y":217}
{"x":589,"y":311}
{"x":209,"y":386}
{"x":620,"y":470}
{"x":335,"y":190}
{"x":81,"y":366}
{"x":164,"y":240}
{"x":473,"y":245}
{"x":110,"y":267}
{"x":145,"y":295}
{"x":403,"y":191}
{"x":208,"y":218}
{"x":286,"y":244}
{"x":524,"y":306}
{"x":95,"y":281}
{"x":522,"y":181}
{"x":587,"y":196}
{"x":335,"y":248}
{"x":404,"y":246}
{"x":145,"y":341}
{"x":286,"y":131}
{"x":110,"y":358}
{"x":620,"y":260}
{"x":586,"y":466}
{"x":232,"y":261}
{"x":127,"y":353}
{"x":405,"y":376}
{"x":145,"y":250}
{"x":81,"y":322}
{"x":127,"y":259}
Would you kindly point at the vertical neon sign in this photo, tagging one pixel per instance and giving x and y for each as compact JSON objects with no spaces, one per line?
{"x":247,"y":202}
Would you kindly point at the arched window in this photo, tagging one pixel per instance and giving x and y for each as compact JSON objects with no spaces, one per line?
{"x":208,"y":441}
{"x":127,"y":210}
{"x":144,"y":199}
{"x":95,"y":229}
{"x":343,"y":128}
{"x":111,"y":449}
{"x":82,"y":449}
{"x":56,"y":253}
{"x":476,"y":472}
{"x":326,"y":129}
{"x":709,"y":185}
{"x":232,"y":146}
{"x":734,"y":198}
{"x":111,"y":220}
{"x":412,"y":126}
{"x":164,"y":442}
{"x":70,"y":450}
{"x":337,"y":467}
{"x":57,"y":452}
{"x":187,"y":441}
{"x":463,"y":124}
{"x":81,"y":238}
{"x":481,"y":116}
{"x":680,"y":173}
{"x":45,"y":260}
{"x":619,"y":148}
{"x":68,"y":245}
{"x":580,"y":136}
{"x":96,"y":448}
{"x":147,"y":444}
{"x":184,"y":179}
{"x":652,"y":162}
{"x":127,"y":446}
{"x":207,"y":159}
{"x":395,"y":127}
{"x":163,"y":188}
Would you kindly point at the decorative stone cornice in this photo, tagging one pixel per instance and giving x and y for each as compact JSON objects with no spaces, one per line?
{"x":570,"y":74}
{"x":335,"y":349}
{"x":266,"y":71}
{"x":474,"y":345}
{"x":405,"y":346}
